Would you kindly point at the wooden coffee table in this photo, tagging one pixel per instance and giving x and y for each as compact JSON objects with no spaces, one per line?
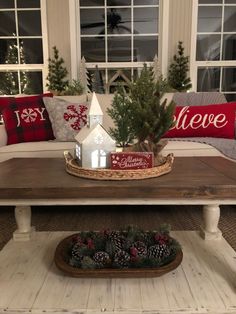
{"x":207,"y":181}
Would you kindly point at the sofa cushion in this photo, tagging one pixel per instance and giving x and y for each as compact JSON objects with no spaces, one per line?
{"x":3,"y":135}
{"x":26,"y":120}
{"x":67,"y":118}
{"x":204,"y":121}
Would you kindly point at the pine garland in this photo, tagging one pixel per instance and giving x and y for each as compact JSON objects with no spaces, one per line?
{"x":127,"y":248}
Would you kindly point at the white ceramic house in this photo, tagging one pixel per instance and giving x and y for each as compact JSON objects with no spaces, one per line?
{"x":94,"y":144}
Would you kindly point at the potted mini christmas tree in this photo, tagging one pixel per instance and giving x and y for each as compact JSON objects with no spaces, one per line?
{"x":57,"y":73}
{"x":143,"y":114}
{"x":178,"y":71}
{"x":151,"y":116}
{"x":120,"y":113}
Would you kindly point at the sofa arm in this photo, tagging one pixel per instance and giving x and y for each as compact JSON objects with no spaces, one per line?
{"x":3,"y":136}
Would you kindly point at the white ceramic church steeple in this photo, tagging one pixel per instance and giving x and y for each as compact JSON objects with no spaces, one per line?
{"x":95,"y":114}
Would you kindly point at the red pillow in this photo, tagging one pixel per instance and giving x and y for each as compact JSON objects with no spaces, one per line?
{"x":26,"y":120}
{"x":204,"y":121}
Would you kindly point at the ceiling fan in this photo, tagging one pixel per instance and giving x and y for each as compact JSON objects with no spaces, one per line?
{"x":114,"y":24}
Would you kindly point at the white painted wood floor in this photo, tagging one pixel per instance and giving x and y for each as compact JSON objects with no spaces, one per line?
{"x":205,"y":282}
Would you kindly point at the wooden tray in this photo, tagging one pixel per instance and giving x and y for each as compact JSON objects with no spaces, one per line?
{"x":61,"y":259}
{"x":73,"y":168}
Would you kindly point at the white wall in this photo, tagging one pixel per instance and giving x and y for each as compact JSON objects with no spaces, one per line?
{"x":59,"y":29}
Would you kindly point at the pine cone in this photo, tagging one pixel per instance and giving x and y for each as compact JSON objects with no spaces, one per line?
{"x":76,"y":252}
{"x":122,"y":259}
{"x":158,"y":251}
{"x":101,"y":258}
{"x":141,"y":248}
{"x":117,"y":240}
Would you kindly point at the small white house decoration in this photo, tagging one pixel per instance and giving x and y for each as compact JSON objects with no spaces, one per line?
{"x":94,"y":144}
{"x":95,"y":114}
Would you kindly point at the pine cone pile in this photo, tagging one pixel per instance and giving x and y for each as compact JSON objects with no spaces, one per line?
{"x":128,"y":248}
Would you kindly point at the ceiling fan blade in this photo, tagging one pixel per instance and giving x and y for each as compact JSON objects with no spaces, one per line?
{"x":91,"y":25}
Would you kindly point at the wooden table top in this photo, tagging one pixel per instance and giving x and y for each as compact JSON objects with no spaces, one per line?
{"x":206,"y":178}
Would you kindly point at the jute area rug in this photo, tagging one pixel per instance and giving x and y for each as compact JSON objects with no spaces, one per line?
{"x":78,"y":218}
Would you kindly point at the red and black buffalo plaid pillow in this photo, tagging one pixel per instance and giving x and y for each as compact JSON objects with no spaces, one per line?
{"x":26,"y":119}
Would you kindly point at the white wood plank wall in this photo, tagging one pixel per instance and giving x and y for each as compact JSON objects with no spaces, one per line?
{"x":180,"y":25}
{"x":59,"y":28}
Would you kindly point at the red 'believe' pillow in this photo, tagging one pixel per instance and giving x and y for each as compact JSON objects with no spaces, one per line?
{"x":204,"y":121}
{"x":26,"y":120}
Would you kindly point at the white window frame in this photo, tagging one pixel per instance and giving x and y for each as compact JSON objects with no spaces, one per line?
{"x":32,"y":67}
{"x":194,"y":64}
{"x":76,"y":47}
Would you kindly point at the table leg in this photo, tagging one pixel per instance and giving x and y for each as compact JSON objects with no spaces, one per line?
{"x":23,"y":221}
{"x":211,"y":217}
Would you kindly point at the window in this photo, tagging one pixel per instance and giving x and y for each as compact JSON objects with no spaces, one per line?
{"x":22,"y":68}
{"x":215,"y":65}
{"x":118,"y":36}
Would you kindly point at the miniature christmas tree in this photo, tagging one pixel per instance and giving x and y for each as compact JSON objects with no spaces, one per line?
{"x":56,"y":73}
{"x":9,"y":81}
{"x":97,"y":82}
{"x":74,"y":88}
{"x":24,"y":77}
{"x":151,"y":117}
{"x":83,"y":75}
{"x":177,"y":76}
{"x":156,"y":69}
{"x":120,"y":112}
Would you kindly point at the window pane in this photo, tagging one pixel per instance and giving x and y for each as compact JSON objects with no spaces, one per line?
{"x":92,"y":21}
{"x":229,"y":47}
{"x":209,"y":1}
{"x":32,"y":51}
{"x":28,"y":3}
{"x":7,"y":23}
{"x":118,"y":2}
{"x":229,"y":79}
{"x":229,"y":19}
{"x":31,"y":82}
{"x":119,"y":49}
{"x":145,"y":48}
{"x":209,"y":19}
{"x":208,"y":79}
{"x":208,"y":47}
{"x":29,"y":23}
{"x":8,"y":51}
{"x":230,"y":1}
{"x":93,"y":49}
{"x":6,"y":4}
{"x":145,"y":20}
{"x":88,"y":3}
{"x":146,"y":2}
{"x":9,"y":83}
{"x":118,"y":21}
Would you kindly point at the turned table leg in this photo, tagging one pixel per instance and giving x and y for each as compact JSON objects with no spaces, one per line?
{"x":23,"y":221}
{"x":211,"y":217}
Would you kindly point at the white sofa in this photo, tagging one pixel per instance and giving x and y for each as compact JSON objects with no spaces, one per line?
{"x":56,"y":149}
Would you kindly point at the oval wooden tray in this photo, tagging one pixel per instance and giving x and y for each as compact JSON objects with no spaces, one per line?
{"x":73,"y":168}
{"x":61,"y":259}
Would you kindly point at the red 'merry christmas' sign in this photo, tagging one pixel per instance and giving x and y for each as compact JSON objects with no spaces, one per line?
{"x":131,"y":160}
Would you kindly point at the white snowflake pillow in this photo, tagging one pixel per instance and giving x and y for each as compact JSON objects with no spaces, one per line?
{"x":66,"y":118}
